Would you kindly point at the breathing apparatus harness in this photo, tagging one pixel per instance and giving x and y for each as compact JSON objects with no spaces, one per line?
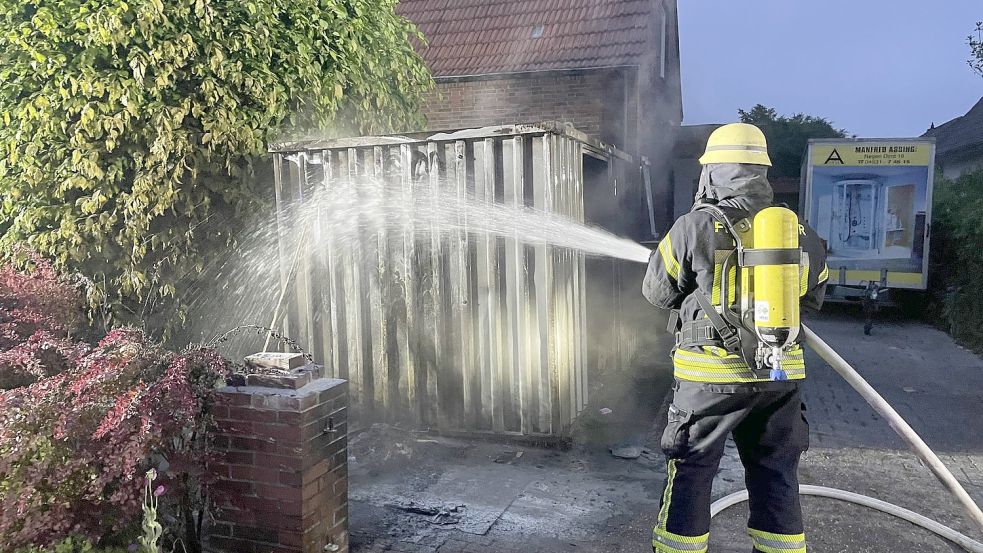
{"x":766,"y":324}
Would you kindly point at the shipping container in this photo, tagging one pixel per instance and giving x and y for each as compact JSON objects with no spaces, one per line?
{"x":465,"y":330}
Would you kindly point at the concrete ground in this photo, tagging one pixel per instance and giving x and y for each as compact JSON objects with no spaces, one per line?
{"x":418,"y":493}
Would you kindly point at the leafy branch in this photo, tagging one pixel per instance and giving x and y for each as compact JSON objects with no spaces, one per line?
{"x":126,"y":126}
{"x":976,"y":49}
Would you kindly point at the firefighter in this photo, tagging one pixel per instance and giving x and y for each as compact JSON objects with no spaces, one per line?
{"x":716,"y":391}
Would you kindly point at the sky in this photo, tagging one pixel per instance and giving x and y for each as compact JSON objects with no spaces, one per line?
{"x":877,"y":68}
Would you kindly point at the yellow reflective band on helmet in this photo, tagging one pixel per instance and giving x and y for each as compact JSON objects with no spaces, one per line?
{"x":715,"y":365}
{"x":665,"y":249}
{"x":737,"y":147}
{"x":769,"y":542}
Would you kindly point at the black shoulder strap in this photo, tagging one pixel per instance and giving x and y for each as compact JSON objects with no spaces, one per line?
{"x":729,"y":335}
{"x":728,"y":332}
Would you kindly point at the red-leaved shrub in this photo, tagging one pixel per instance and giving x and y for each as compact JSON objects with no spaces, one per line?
{"x":76,"y":443}
{"x":39,"y":313}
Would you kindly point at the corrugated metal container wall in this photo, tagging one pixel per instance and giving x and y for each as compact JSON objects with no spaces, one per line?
{"x":460,"y":331}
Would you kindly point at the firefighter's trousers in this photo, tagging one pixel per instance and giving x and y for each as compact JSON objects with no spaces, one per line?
{"x":769,"y":426}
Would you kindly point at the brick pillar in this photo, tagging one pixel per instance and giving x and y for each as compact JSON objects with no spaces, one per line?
{"x":282,"y":465}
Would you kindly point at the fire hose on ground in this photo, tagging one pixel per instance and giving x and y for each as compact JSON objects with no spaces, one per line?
{"x":917,"y":445}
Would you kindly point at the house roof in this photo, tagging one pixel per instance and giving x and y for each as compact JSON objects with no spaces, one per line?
{"x":479,"y":37}
{"x":962,"y":132}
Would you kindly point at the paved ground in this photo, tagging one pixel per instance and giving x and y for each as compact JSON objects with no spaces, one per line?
{"x":414,"y":492}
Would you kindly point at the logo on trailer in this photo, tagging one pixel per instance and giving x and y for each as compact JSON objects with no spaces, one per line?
{"x":834,"y":156}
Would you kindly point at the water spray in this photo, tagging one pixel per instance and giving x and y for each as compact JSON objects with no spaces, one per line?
{"x":348,"y":215}
{"x":367,"y":210}
{"x":285,"y":286}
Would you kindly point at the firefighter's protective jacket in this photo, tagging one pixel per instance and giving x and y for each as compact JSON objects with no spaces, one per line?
{"x":690,"y":259}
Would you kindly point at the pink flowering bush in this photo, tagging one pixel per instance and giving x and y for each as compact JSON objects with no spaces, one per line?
{"x":78,"y":440}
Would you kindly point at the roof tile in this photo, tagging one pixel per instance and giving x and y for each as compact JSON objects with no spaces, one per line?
{"x":576,"y":34}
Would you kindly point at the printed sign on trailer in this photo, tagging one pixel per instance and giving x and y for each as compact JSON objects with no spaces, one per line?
{"x":870,"y":200}
{"x":864,"y":154}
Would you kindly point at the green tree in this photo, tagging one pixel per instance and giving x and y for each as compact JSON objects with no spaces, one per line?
{"x":976,"y":49}
{"x":131,"y":129}
{"x":788,"y":136}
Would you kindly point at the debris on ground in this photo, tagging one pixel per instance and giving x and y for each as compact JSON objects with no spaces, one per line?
{"x":627,"y":451}
{"x":508,"y":457}
{"x":439,"y":514}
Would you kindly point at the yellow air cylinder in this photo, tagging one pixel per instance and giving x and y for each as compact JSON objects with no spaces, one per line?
{"x":776,"y":287}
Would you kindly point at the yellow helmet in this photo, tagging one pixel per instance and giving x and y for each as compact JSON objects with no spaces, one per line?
{"x":737,"y":143}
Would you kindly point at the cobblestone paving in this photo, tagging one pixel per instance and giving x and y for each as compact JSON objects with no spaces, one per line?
{"x":583,"y":500}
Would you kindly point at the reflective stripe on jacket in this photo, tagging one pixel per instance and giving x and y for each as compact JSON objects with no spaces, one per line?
{"x":690,"y":258}
{"x":715,"y":365}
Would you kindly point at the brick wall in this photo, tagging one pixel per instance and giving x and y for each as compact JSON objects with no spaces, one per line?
{"x":525,"y":98}
{"x":282,"y":475}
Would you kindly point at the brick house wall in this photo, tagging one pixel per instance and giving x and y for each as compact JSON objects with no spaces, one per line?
{"x":604,"y":103}
{"x":569,"y":97}
{"x":608,"y":67}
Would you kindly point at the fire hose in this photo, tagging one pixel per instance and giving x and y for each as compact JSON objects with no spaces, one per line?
{"x":903,"y":429}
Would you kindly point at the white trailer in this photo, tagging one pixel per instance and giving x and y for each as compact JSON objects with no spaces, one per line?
{"x":871,"y":201}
